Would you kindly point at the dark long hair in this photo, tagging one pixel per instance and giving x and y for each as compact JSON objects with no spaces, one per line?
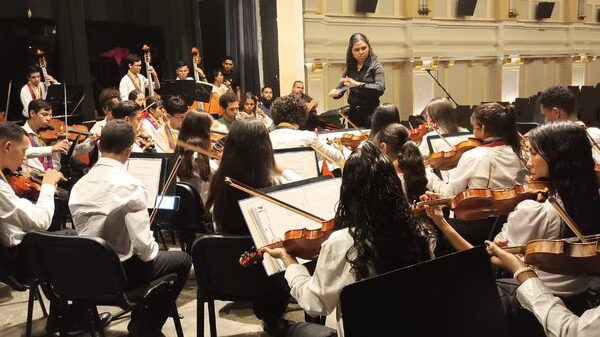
{"x":441,"y":112}
{"x":384,"y":115}
{"x":372,"y":205}
{"x":566,"y":148}
{"x":499,"y":122}
{"x":350,"y":60}
{"x":247,"y":157}
{"x":195,"y":130}
{"x":410,"y":161}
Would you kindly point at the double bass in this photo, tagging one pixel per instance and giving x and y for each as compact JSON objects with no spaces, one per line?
{"x":195,"y":62}
{"x":147,"y":62}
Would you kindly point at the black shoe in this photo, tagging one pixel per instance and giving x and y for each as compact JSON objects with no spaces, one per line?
{"x":76,"y":328}
{"x":276,"y":328}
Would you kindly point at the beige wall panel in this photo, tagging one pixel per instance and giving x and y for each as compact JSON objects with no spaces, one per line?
{"x":333,"y":7}
{"x":453,"y":39}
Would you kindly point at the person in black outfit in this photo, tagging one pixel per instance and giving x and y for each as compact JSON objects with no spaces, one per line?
{"x":363,"y":78}
{"x":230,"y":78}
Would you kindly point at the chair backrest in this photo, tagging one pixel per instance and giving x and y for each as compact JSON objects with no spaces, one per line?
{"x":191,"y":207}
{"x":452,"y":295}
{"x":218,"y":272}
{"x":78,"y":268}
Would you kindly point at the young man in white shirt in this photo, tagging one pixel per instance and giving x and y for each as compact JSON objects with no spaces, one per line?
{"x":117,"y":212}
{"x":133,"y":79}
{"x":34,"y":88}
{"x":165,"y":137}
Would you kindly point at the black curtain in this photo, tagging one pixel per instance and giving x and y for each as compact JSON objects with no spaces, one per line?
{"x":242,"y":42}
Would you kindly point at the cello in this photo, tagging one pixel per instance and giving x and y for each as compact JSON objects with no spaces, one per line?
{"x":303,"y":243}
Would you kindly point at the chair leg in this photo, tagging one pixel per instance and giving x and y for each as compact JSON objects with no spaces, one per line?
{"x":177,"y":320}
{"x":95,"y":322}
{"x":162,"y":239}
{"x":199,"y":316}
{"x":212,"y":318}
{"x":30,"y":312}
{"x":38,"y":294}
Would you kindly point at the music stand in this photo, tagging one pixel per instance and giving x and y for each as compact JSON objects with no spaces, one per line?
{"x":189,"y":90}
{"x":56,"y":98}
{"x":454,"y":295}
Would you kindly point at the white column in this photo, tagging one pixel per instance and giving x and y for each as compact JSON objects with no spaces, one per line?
{"x":290,"y":32}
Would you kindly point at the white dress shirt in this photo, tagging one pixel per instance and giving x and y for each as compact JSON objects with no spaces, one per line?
{"x":552,"y":314}
{"x":26,"y":97}
{"x":19,"y":215}
{"x":319,"y":294}
{"x":110,"y":203}
{"x":165,"y":138}
{"x":98,"y":126}
{"x":473,"y":171}
{"x":285,"y":138}
{"x":535,"y":220}
{"x":126,"y":85}
{"x":38,"y":157}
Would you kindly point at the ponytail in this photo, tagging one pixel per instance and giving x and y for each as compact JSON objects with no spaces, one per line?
{"x":500,"y":122}
{"x":411,"y":164}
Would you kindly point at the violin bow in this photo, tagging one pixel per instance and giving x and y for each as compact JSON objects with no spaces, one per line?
{"x":195,"y":148}
{"x":148,"y":107}
{"x":7,"y":100}
{"x":567,"y":219}
{"x":326,"y":156}
{"x":594,"y":144}
{"x":350,"y":122}
{"x":443,"y":138}
{"x":166,"y":187}
{"x":245,"y":188}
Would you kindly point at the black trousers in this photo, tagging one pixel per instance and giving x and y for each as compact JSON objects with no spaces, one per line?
{"x":522,"y":322}
{"x":149,"y":320}
{"x":272,"y":296}
{"x":361,"y":115}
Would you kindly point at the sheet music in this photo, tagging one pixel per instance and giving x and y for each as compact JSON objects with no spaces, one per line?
{"x":268,"y":222}
{"x":303,"y":162}
{"x":147,"y":170}
{"x":438,"y":144}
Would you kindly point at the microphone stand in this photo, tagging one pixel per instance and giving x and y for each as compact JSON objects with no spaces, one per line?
{"x":448,"y":96}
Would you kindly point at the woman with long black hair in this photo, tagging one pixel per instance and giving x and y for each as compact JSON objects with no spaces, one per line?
{"x":375,"y":232}
{"x":363,"y":78}
{"x":560,"y":153}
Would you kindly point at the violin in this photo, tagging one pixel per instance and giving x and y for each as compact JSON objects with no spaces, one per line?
{"x":573,"y":256}
{"x":57,"y":130}
{"x":481,"y":203}
{"x":562,"y":256}
{"x":447,"y":160}
{"x":217,"y":139}
{"x":24,"y":187}
{"x":416,"y":134}
{"x":145,"y":142}
{"x":303,"y":243}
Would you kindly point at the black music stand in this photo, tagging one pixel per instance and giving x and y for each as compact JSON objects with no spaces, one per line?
{"x":189,"y":90}
{"x":56,"y":98}
{"x":454,"y":295}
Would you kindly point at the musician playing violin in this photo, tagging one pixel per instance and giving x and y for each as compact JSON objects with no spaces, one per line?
{"x":558,"y":104}
{"x":154,"y":116}
{"x":34,"y":88}
{"x":375,"y":233}
{"x":549,"y":309}
{"x":166,"y":135}
{"x":40,"y":155}
{"x":439,"y":113}
{"x":248,"y":158}
{"x":560,"y":153}
{"x":130,"y":112}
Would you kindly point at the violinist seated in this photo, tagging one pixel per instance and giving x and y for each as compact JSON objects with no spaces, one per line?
{"x":536,"y":297}
{"x":250,"y":109}
{"x":560,"y":154}
{"x":439,"y":114}
{"x":247,"y":146}
{"x":165,"y":137}
{"x":361,"y":233}
{"x":124,"y":223}
{"x":34,"y":88}
{"x":559,"y":104}
{"x":288,"y":114}
{"x":40,"y":155}
{"x":108,"y":98}
{"x":230,"y":105}
{"x":130,"y":112}
{"x":154,"y":117}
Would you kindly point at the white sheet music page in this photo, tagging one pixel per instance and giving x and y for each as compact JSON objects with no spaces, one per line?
{"x":303,"y":162}
{"x":269,"y":222}
{"x":147,"y":170}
